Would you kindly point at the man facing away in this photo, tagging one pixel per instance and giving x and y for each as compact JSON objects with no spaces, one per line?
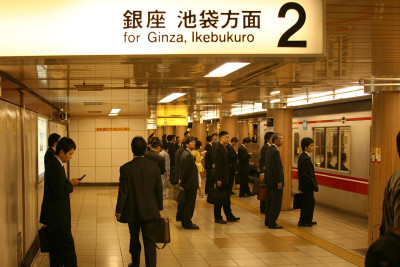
{"x":208,"y":164}
{"x":190,"y":182}
{"x":275,"y":182}
{"x":51,"y":151}
{"x":261,"y":163}
{"x":232,"y":161}
{"x":153,"y":155}
{"x":140,"y":202}
{"x":307,"y":183}
{"x":56,"y":208}
{"x":244,"y":157}
{"x":222,"y":178}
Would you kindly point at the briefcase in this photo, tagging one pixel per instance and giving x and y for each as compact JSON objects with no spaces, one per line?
{"x":161,"y":232}
{"x":262,"y":192}
{"x":218,"y":196}
{"x":44,"y":238}
{"x":179,"y":194}
{"x":298,"y":201}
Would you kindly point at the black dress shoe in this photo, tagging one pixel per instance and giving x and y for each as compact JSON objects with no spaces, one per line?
{"x":193,"y":226}
{"x":275,"y":227}
{"x":221,"y":221}
{"x":313,"y":222}
{"x":233,"y":219}
{"x":300,"y":224}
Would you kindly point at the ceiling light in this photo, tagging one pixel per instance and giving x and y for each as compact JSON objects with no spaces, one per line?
{"x":348,"y":89}
{"x":226,"y":69}
{"x":171,"y":97}
{"x":350,"y":94}
{"x":115,"y":110}
{"x":275,"y":92}
{"x":275,"y":101}
{"x":113,"y":114}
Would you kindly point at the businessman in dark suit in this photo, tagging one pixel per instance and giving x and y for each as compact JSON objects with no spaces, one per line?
{"x":232,"y":162}
{"x":56,"y":208}
{"x":307,"y":183}
{"x":261,"y":163}
{"x":51,"y":151}
{"x":275,"y":182}
{"x":208,"y":164}
{"x":171,"y":153}
{"x":190,"y":182}
{"x":178,"y":176}
{"x":243,"y":169}
{"x":222,"y":178}
{"x":140,"y":201}
{"x":154,"y":155}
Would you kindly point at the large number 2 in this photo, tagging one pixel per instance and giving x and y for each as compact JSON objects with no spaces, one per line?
{"x":284,"y":40}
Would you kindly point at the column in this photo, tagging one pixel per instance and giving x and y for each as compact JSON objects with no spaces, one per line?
{"x":243,"y":130}
{"x":212,"y":128}
{"x":159,"y":132}
{"x":283,"y":125}
{"x":200,"y":131}
{"x":168,"y":130}
{"x":385,"y":127}
{"x":229,"y":124}
{"x":180,"y":130}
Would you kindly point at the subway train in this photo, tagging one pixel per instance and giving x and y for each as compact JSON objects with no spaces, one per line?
{"x":341,"y":156}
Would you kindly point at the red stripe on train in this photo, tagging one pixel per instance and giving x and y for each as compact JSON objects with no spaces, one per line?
{"x":336,"y":120}
{"x":341,"y":182}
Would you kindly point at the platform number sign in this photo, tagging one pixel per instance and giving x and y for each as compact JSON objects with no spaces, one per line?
{"x":284,"y":40}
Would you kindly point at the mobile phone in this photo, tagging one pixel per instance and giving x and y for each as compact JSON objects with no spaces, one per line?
{"x":80,"y":179}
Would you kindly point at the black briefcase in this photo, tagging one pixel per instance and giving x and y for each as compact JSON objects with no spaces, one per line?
{"x":179,"y":194}
{"x":218,"y":196}
{"x":44,"y":239}
{"x":161,"y":232}
{"x":298,"y":201}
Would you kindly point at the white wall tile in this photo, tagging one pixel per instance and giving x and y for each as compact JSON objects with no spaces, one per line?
{"x":119,"y":157}
{"x":119,"y":123}
{"x":130,"y":155}
{"x":137,"y":133}
{"x":73,"y":172}
{"x":87,"y":125}
{"x":103,"y":139}
{"x":74,"y":125}
{"x":90,"y":174}
{"x":87,"y":140}
{"x":103,"y":174}
{"x":74,"y":136}
{"x":87,"y":157}
{"x":120,"y":139}
{"x":103,"y":157}
{"x":115,"y":174}
{"x":138,"y":124}
{"x":75,"y":159}
{"x":103,"y":123}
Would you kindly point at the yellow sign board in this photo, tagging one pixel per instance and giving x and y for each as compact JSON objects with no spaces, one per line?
{"x":113,"y":129}
{"x":166,"y":111}
{"x":172,"y":121}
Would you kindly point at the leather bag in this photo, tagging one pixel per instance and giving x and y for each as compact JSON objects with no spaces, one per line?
{"x":161,"y":232}
{"x":218,"y":196}
{"x":44,"y":239}
{"x":298,"y":200}
{"x":179,"y":194}
{"x":262,"y":192}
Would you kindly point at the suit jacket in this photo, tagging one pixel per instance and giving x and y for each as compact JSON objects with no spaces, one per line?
{"x":274,"y":168}
{"x":171,"y":153}
{"x":306,"y":172}
{"x":221,"y":164}
{"x":188,"y":169}
{"x":140,"y":194}
{"x":154,"y":156}
{"x":232,"y":158}
{"x":208,"y":161}
{"x":243,"y":157}
{"x":263,"y":151}
{"x":50,"y":153}
{"x":178,"y":174}
{"x":56,"y":209}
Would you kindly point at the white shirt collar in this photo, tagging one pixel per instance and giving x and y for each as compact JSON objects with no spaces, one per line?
{"x":62,"y":164}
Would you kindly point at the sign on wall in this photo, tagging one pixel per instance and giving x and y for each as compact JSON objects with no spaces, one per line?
{"x":122,"y":27}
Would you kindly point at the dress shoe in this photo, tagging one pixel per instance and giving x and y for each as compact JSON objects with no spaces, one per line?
{"x":193,"y":226}
{"x":221,"y":221}
{"x":233,"y":219}
{"x":275,"y":227}
{"x":313,"y":222}
{"x":300,"y":224}
{"x":244,"y":195}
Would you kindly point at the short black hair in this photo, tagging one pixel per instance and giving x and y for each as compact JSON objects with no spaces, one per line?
{"x":398,"y":143}
{"x":170,"y":137}
{"x":164,"y":136}
{"x":53,"y":138}
{"x":184,"y":141}
{"x":156,"y":143}
{"x":198,"y":144}
{"x":190,"y":139}
{"x":305,"y":142}
{"x":222,"y":133}
{"x":209,"y":138}
{"x":165,"y":147}
{"x":275,"y":136}
{"x":234,"y":139}
{"x":214,"y":134}
{"x":246,"y":140}
{"x":186,"y":133}
{"x":138,"y":146}
{"x":267,"y":136}
{"x":65,"y":144}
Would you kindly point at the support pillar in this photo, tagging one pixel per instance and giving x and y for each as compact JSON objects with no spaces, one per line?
{"x":159,"y":132}
{"x":180,"y":130}
{"x":212,"y":128}
{"x":283,"y":125}
{"x":385,"y":127}
{"x":200,"y":131}
{"x":168,"y":130}
{"x":229,"y":124}
{"x":243,"y":130}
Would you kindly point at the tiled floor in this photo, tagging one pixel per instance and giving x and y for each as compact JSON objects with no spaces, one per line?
{"x":101,"y":241}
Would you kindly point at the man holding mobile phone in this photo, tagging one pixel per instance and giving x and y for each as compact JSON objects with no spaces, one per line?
{"x":56,"y":208}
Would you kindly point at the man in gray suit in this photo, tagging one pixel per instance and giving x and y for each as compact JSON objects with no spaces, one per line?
{"x":140,"y":201}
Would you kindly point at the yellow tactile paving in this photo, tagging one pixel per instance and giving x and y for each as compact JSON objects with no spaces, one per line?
{"x":328,"y":246}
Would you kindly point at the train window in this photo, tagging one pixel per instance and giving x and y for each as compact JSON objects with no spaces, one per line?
{"x":331,"y":156}
{"x":319,"y":146}
{"x":296,"y":147}
{"x":344,"y":141}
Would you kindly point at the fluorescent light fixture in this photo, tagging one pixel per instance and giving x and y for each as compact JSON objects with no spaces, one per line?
{"x":115,"y":110}
{"x":275,"y":92}
{"x":248,"y":109}
{"x":171,"y":97}
{"x":113,"y":114}
{"x":275,"y":101}
{"x":320,"y":99}
{"x":350,"y":94}
{"x":295,"y":99}
{"x":226,"y":69}
{"x":348,"y":89}
{"x":298,"y":103}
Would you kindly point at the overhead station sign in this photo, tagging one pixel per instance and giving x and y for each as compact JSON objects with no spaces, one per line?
{"x":175,"y":27}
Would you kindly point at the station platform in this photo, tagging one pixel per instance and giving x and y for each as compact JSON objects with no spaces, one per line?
{"x":102,"y":241}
